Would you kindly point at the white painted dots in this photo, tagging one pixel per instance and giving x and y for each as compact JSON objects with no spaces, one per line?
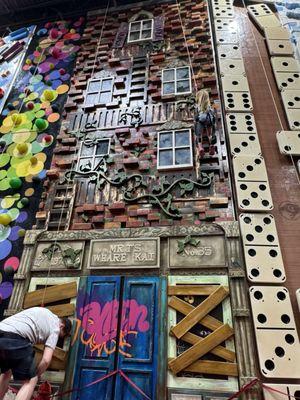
{"x":276,"y":334}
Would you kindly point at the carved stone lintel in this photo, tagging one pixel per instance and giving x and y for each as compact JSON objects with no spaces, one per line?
{"x":172,"y":125}
{"x":205,"y":229}
{"x":31,"y":237}
{"x":231,"y":228}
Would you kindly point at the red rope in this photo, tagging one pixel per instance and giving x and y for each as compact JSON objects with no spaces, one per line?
{"x":244,"y":388}
{"x":102,"y":379}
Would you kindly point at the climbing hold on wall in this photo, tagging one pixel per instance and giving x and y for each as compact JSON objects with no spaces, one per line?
{"x":49,"y":95}
{"x":2,"y":144}
{"x":5,"y":219}
{"x":62,"y":71}
{"x":33,"y":160}
{"x":1,"y":93}
{"x":9,"y":270}
{"x":24,"y":201}
{"x":56,"y":53}
{"x":10,"y":106}
{"x":16,"y":119}
{"x":30,"y":105}
{"x":22,"y":148}
{"x":21,"y":232}
{"x":40,"y":124}
{"x":54,"y":33}
{"x":48,"y":138}
{"x":15,"y":183}
{"x":36,"y":179}
{"x":32,"y":70}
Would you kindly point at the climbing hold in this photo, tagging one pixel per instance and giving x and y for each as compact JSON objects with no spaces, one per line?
{"x":5,"y":219}
{"x":36,"y":179}
{"x":24,"y":201}
{"x":21,"y":232}
{"x":56,"y":52}
{"x":48,"y":138}
{"x":53,"y":33}
{"x":40,"y":124}
{"x":30,"y":105}
{"x":10,"y":106}
{"x":22,"y":148}
{"x":16,"y":119}
{"x":9,"y":270}
{"x":15,"y":183}
{"x":48,"y":95}
{"x":33,"y":160}
{"x":1,"y":93}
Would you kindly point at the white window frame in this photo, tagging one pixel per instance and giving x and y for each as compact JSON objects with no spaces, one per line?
{"x":175,"y":80}
{"x":173,"y":148}
{"x":140,"y":39}
{"x":112,"y":78}
{"x":93,"y":156}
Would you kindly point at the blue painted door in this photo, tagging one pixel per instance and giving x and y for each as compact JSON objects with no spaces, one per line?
{"x":96,"y":335}
{"x":137,"y":356}
{"x":117,"y":329}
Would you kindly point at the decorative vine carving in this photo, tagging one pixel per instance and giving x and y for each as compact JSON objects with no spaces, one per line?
{"x":154,"y":47}
{"x":160,"y":195}
{"x":70,"y":256}
{"x":188,"y":103}
{"x":135,"y":117}
{"x":188,"y":240}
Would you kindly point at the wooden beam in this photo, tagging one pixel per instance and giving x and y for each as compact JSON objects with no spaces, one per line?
{"x":200,"y":349}
{"x":63,"y":310}
{"x":191,"y":290}
{"x":213,"y":368}
{"x":219,"y":351}
{"x":184,"y":308}
{"x":199,"y":312}
{"x":59,"y":358}
{"x":59,"y":353}
{"x":50,"y":294}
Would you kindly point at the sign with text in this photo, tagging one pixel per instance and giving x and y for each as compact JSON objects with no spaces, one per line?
{"x":124,"y":253}
{"x":200,"y":252}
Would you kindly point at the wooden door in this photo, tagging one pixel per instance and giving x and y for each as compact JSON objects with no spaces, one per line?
{"x":117,"y":329}
{"x":96,"y":336}
{"x":139,"y":323}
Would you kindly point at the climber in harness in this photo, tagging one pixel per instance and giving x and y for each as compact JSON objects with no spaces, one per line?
{"x":18,"y":334}
{"x":205,"y":123}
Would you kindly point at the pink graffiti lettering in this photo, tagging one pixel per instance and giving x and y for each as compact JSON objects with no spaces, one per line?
{"x":99,"y":325}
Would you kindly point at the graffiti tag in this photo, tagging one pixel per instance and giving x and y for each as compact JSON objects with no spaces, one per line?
{"x":97,"y":326}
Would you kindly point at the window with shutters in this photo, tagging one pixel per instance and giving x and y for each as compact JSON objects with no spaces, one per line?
{"x":140,"y":30}
{"x":174,"y":149}
{"x":90,"y":155}
{"x":176,"y":81}
{"x":99,"y":92}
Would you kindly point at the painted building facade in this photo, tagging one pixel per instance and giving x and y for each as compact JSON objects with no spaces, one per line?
{"x":135,"y":139}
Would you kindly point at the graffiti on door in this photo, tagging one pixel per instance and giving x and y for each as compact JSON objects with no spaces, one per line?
{"x":98,"y":324}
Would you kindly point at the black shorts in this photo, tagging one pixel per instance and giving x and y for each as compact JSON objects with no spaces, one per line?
{"x":17,"y":354}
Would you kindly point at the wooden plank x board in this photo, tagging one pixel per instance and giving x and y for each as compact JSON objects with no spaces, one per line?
{"x":199,"y":312}
{"x":191,"y":290}
{"x":184,"y":308}
{"x":213,"y":367}
{"x":50,"y":294}
{"x":63,"y":310}
{"x":200,"y":349}
{"x":219,"y":351}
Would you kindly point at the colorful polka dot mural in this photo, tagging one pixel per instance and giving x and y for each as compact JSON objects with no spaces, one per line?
{"x":29,"y":124}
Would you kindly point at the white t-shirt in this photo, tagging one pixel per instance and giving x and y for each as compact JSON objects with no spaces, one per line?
{"x":37,"y":324}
